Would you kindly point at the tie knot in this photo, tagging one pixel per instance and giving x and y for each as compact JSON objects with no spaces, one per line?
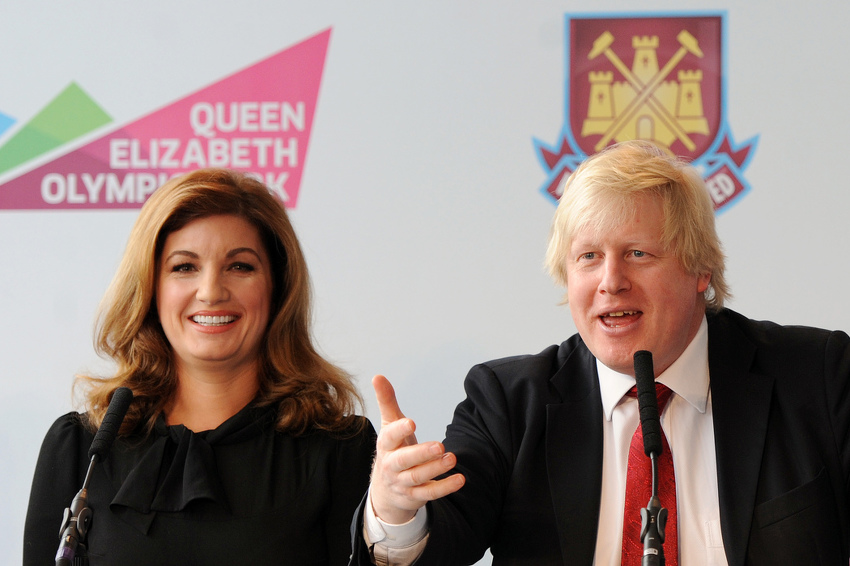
{"x":662,"y":393}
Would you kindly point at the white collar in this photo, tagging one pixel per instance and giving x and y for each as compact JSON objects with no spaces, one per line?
{"x":687,"y":376}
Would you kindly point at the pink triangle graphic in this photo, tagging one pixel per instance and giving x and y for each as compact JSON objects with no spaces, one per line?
{"x":257,"y":120}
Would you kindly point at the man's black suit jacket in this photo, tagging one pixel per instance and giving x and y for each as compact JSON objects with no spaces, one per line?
{"x":528,"y":438}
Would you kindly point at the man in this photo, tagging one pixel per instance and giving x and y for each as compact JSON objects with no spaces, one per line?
{"x":534,"y":464}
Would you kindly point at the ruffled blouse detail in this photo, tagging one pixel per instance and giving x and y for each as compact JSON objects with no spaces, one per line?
{"x":179,"y":467}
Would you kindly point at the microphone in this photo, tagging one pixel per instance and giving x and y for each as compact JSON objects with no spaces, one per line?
{"x":648,"y":403}
{"x":653,"y":516}
{"x":76,"y":519}
{"x":108,"y":430}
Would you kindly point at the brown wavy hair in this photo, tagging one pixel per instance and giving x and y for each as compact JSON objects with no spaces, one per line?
{"x":309,"y":391}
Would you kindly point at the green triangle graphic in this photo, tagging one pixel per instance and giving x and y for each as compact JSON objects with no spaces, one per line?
{"x":65,"y":118}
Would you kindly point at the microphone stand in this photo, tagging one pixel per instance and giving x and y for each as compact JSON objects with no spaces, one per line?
{"x":653,"y":517}
{"x":653,"y":522}
{"x":76,"y":520}
{"x":75,"y":526}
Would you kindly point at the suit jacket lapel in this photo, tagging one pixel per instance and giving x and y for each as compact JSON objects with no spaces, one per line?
{"x":574,"y":454}
{"x":741,"y":405}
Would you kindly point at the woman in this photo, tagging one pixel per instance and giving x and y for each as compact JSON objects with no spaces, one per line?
{"x":240,"y":445}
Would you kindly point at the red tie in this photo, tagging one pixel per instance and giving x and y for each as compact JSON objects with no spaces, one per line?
{"x":639,"y":490}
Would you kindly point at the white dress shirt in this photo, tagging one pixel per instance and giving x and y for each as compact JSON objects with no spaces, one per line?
{"x":688,"y":424}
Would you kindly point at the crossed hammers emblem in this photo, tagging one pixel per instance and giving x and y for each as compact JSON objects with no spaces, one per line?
{"x":602,"y":46}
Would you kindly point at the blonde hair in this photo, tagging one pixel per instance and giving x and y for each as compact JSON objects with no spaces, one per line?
{"x":308,"y":390}
{"x":601,"y":192}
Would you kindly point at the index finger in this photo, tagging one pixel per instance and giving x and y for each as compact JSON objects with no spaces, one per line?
{"x":387,"y":402}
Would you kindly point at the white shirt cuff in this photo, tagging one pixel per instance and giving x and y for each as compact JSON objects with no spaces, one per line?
{"x":394,"y":536}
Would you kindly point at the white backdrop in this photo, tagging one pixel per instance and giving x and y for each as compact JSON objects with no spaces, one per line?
{"x":419,"y":211}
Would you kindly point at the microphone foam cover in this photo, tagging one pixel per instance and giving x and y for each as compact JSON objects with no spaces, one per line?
{"x":108,"y":430}
{"x":648,"y":403}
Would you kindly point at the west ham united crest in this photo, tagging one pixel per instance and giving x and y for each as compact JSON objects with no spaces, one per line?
{"x":659,"y":78}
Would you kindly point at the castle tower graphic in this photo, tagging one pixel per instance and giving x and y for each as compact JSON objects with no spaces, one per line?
{"x":647,"y":105}
{"x":645,"y":63}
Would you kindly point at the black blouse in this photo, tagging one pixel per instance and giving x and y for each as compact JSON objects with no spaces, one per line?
{"x":242,"y":493}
